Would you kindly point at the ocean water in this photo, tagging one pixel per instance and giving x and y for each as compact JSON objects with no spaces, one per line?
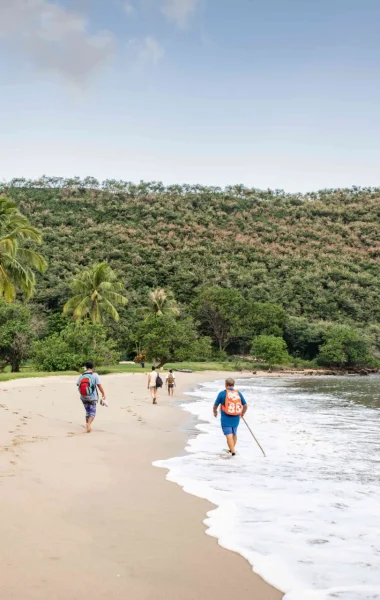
{"x":307,"y":517}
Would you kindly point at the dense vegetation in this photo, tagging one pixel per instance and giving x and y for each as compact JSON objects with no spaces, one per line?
{"x":305,"y":268}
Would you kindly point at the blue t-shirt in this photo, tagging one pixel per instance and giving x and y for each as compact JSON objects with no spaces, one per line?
{"x":94,"y":395}
{"x":228,"y":420}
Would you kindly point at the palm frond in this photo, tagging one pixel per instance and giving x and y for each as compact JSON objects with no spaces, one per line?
{"x":17,"y":263}
{"x":115,"y":286}
{"x":7,"y":245}
{"x":21,"y":276}
{"x":7,"y":289}
{"x":26,"y":232}
{"x":71,"y":304}
{"x":110,"y":309}
{"x":31,"y":259}
{"x":83,"y":309}
{"x":115,"y":297}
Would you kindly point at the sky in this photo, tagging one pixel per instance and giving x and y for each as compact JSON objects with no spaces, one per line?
{"x":280,"y":94}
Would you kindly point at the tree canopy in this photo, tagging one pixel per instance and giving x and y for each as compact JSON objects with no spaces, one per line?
{"x":272,"y":349}
{"x":17,"y":333}
{"x":165,"y":339}
{"x":229,"y":264}
{"x":316,"y":255}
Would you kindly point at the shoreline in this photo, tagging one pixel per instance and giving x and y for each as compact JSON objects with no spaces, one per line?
{"x":99,"y":517}
{"x":6,"y":377}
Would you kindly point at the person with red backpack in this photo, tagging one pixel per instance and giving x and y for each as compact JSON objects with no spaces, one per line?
{"x":233,"y":406}
{"x":88,"y":385}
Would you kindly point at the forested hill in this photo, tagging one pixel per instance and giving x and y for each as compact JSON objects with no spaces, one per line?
{"x":316,"y":255}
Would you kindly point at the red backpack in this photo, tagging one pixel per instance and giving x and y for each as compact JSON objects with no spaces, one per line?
{"x":86,"y":385}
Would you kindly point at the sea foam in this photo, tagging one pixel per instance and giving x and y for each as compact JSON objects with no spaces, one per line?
{"x":307,"y":517}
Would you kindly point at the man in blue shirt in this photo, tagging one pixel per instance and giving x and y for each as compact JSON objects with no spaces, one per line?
{"x":232,"y":406}
{"x":90,"y":400}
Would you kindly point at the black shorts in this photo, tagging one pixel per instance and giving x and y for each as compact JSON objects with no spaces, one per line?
{"x":170,"y":386}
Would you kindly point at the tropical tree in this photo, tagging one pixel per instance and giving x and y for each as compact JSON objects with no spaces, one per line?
{"x":345,"y":346}
{"x":167,"y":339}
{"x":96,"y":293}
{"x":219,"y":311}
{"x":271,"y":348}
{"x":17,"y":262}
{"x":162,"y":302}
{"x":262,"y":318}
{"x":17,"y":332}
{"x":73,"y":346}
{"x":304,"y":337}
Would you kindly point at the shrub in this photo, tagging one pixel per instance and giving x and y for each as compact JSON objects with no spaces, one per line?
{"x":169,"y":339}
{"x":16,"y":334}
{"x":74,"y":345}
{"x":345,"y":346}
{"x":54,"y":354}
{"x":272,"y":349}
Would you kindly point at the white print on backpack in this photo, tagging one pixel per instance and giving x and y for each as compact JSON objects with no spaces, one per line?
{"x":233,"y":405}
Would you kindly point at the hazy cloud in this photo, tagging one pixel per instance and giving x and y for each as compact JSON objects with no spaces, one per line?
{"x":54,"y":38}
{"x":128,"y":7}
{"x":179,"y":11}
{"x":148,"y":51}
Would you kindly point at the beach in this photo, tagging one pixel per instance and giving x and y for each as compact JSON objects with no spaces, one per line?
{"x":88,"y":514}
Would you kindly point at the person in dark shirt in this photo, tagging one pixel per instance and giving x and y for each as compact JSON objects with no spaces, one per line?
{"x":232,"y":406}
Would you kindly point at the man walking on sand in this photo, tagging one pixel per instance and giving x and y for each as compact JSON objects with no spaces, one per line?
{"x":88,"y":385}
{"x":232,"y":406}
{"x":154,"y":380}
{"x":170,"y":382}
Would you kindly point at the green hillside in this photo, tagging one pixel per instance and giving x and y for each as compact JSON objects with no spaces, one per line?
{"x":317,"y":255}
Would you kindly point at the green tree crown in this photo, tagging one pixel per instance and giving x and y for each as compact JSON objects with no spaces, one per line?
{"x":96,"y":293}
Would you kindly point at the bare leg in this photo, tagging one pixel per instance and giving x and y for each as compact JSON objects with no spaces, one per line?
{"x":154,"y":394}
{"x":235,"y":440}
{"x":168,"y":391}
{"x":231,"y":443}
{"x":88,"y":424}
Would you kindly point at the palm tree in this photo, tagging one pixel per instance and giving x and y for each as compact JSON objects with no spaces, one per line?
{"x":96,"y":292}
{"x":17,"y":263}
{"x":161,"y":302}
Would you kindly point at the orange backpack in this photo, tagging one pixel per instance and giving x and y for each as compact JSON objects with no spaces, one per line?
{"x":233,"y":405}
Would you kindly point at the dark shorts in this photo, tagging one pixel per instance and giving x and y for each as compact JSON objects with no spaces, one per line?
{"x":170,"y":386}
{"x":90,"y":408}
{"x":230,"y":430}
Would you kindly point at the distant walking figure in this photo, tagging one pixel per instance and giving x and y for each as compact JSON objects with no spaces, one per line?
{"x":233,"y":406}
{"x":154,"y":383}
{"x":88,"y":385}
{"x":170,"y":383}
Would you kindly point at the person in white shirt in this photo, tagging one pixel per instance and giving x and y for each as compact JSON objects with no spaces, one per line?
{"x":170,"y":383}
{"x":152,"y":384}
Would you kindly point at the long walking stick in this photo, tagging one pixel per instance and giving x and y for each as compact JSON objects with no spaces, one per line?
{"x":254,"y":437}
